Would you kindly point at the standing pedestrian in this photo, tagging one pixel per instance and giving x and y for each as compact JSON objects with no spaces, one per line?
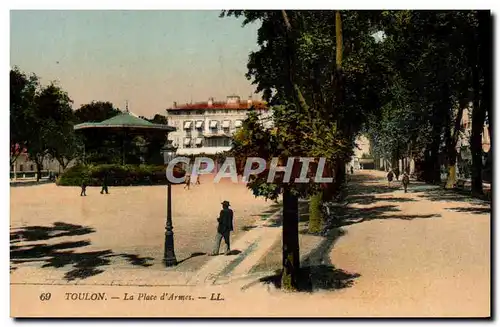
{"x":105,"y":183}
{"x":390,"y":177}
{"x":187,"y":182}
{"x":406,"y":181}
{"x":396,"y":173}
{"x":352,"y":170}
{"x":224,"y":228}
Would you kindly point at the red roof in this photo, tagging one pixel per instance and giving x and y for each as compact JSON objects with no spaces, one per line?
{"x":221,"y":105}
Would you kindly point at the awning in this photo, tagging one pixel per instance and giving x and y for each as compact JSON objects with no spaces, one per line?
{"x":225,"y":124}
{"x":187,"y":125}
{"x":199,"y":123}
{"x":238,"y":123}
{"x":187,"y":140}
{"x":213,"y":123}
{"x":199,"y":140}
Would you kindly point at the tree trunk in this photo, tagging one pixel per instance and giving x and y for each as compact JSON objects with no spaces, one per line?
{"x":39,"y":167}
{"x":315,"y":214}
{"x":476,"y":148}
{"x":432,"y":174}
{"x":63,"y":163}
{"x":485,"y":60}
{"x":478,"y":116}
{"x":452,"y":152}
{"x":291,"y":259}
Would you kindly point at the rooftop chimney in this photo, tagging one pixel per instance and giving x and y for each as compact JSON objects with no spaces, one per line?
{"x":233,"y":100}
{"x":249,"y":101}
{"x":175,"y":104}
{"x":210,"y":101}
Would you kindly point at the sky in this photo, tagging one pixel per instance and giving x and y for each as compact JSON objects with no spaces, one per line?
{"x":148,"y":58}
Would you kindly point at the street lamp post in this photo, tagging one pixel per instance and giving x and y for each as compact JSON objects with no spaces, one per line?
{"x":169,"y":253}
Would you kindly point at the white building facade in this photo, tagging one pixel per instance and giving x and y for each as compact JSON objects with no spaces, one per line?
{"x":207,"y":127}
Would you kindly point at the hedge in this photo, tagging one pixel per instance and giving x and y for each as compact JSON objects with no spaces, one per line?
{"x":118,"y":175}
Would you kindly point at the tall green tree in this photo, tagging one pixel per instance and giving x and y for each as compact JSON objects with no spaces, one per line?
{"x":51,"y":127}
{"x":317,"y":111}
{"x":23,"y":90}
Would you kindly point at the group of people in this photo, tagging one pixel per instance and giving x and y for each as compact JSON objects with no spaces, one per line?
{"x":187,"y":181}
{"x":104,"y":188}
{"x":395,"y":173}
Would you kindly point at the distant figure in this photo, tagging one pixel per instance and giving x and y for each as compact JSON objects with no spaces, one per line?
{"x":224,"y":228}
{"x":406,"y":181}
{"x":105,"y":183}
{"x":84,"y":187}
{"x":352,"y":170}
{"x":361,"y":166}
{"x":187,"y":182}
{"x":390,"y":177}
{"x":396,"y":172}
{"x":198,"y":180}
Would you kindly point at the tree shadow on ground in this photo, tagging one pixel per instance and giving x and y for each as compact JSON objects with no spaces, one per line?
{"x":317,"y":271}
{"x":59,"y":255}
{"x":323,"y":278}
{"x":38,"y":233}
{"x":356,"y":177}
{"x":451,"y":195}
{"x":473,"y":210}
{"x":345,"y":216}
{"x":272,"y":209}
{"x":370,"y":199}
{"x":247,"y":228}
{"x":372,"y":188}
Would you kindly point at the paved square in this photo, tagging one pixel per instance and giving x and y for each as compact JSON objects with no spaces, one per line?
{"x":101,"y":237}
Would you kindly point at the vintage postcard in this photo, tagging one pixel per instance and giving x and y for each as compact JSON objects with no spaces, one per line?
{"x":208,"y":163}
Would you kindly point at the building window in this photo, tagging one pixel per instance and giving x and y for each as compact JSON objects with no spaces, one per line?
{"x":11,"y":167}
{"x":213,"y":124}
{"x":217,"y":142}
{"x":21,"y":167}
{"x":32,"y":167}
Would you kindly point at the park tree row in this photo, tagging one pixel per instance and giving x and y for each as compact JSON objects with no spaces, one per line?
{"x":440,"y":65}
{"x":402,"y":77}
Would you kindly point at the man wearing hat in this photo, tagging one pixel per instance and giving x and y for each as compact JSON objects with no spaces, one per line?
{"x":224,"y":228}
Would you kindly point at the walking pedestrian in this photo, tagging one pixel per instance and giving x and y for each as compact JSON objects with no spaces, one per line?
{"x":187,"y":182}
{"x":105,"y":183}
{"x":198,"y":180}
{"x":406,"y":181}
{"x":84,"y":187}
{"x":224,"y":228}
{"x":390,"y":177}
